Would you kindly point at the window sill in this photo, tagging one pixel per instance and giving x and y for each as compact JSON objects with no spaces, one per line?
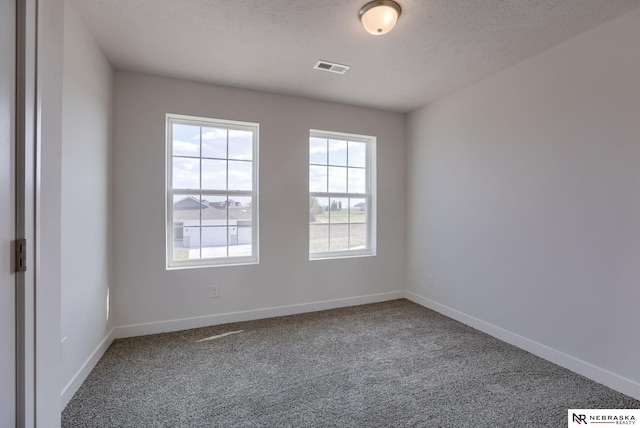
{"x":339,"y":255}
{"x":208,"y":264}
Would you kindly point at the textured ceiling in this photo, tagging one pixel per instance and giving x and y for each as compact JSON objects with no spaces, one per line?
{"x":437,"y":47}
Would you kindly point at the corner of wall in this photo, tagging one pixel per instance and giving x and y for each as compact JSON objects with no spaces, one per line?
{"x":69,"y":390}
{"x":598,"y":374}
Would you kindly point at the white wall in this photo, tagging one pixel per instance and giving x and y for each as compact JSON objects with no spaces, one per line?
{"x":147,"y":293}
{"x":86,"y":197}
{"x":524,"y":202}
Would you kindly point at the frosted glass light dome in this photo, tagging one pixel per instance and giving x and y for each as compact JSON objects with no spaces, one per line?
{"x":379,"y":17}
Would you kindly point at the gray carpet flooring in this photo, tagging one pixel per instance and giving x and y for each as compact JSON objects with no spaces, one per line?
{"x":391,"y":364}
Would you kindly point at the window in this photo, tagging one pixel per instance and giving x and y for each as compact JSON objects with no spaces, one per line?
{"x":212,"y":199}
{"x":341,"y":195}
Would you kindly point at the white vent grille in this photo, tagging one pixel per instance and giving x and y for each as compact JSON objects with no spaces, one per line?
{"x":331,"y":66}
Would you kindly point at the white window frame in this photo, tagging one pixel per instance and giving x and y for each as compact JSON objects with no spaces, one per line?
{"x":170,"y":192}
{"x":369,"y":195}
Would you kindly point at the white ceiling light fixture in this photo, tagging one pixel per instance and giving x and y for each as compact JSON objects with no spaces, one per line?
{"x":380,"y":16}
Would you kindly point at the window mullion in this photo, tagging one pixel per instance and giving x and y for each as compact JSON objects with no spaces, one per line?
{"x":347,"y":166}
{"x":200,"y":194}
{"x":228,"y":196}
{"x":348,"y":223}
{"x":329,"y":200}
{"x":337,"y":195}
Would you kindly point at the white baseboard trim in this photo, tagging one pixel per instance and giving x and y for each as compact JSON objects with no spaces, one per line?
{"x":209,"y":320}
{"x":183,"y":324}
{"x":74,"y":384}
{"x":588,"y":370}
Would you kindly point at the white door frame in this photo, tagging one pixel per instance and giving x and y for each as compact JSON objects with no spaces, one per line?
{"x":26,"y":121}
{"x":30,"y":142}
{"x":7,"y":214}
{"x":49,"y":32}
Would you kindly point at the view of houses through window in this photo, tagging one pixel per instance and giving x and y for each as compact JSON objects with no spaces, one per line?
{"x":211,"y":188}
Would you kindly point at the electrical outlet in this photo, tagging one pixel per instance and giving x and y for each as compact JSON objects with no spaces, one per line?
{"x":63,"y":349}
{"x":431,"y":280}
{"x":214,"y":292}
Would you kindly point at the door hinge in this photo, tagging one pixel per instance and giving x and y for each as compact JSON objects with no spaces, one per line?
{"x":21,"y":255}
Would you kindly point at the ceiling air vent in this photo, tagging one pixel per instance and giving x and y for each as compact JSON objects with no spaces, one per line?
{"x":331,"y":66}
